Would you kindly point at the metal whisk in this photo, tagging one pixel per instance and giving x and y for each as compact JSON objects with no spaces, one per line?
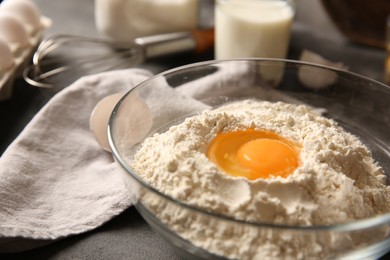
{"x":61,"y":59}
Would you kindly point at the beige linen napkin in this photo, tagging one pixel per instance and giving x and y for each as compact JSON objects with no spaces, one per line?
{"x":55,"y":180}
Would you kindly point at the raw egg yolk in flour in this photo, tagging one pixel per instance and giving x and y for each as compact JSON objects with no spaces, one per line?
{"x":254,"y":154}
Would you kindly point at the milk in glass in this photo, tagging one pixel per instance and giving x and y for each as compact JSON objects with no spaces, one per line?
{"x":253,"y":28}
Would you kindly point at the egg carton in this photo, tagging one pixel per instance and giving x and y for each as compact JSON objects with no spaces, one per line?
{"x":21,"y":54}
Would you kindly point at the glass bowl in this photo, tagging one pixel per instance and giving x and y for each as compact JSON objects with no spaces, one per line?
{"x":360,"y":105}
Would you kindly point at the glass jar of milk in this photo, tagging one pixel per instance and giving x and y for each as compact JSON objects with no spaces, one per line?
{"x":128,"y":19}
{"x":253,"y":28}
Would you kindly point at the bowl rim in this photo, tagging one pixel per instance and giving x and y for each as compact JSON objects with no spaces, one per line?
{"x":354,"y":225}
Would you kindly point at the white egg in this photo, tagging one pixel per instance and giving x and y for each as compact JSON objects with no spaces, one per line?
{"x":25,"y":10}
{"x":6,"y":58}
{"x":12,"y":30}
{"x":99,"y":119}
{"x":134,"y":126}
{"x":317,"y":78}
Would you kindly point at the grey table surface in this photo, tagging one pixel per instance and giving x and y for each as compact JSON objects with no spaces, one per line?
{"x":128,"y":236}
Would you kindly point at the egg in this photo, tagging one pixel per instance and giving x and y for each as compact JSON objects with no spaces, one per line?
{"x":6,"y":58}
{"x":12,"y":30}
{"x":318,"y":78}
{"x":134,"y":126}
{"x":254,"y":154}
{"x":99,"y":118}
{"x":25,"y":10}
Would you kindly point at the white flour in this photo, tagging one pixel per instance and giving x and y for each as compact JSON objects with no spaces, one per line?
{"x":337,"y":181}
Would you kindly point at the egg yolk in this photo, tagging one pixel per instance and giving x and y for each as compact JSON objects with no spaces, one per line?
{"x":254,"y":154}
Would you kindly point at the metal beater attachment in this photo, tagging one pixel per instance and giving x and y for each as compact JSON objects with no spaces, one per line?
{"x":61,"y":59}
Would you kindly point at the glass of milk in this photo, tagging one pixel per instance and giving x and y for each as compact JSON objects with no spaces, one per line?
{"x":253,"y":28}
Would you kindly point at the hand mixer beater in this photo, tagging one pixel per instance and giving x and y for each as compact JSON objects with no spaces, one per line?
{"x":61,"y":59}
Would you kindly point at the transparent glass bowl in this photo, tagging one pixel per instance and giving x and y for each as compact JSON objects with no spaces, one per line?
{"x":359,"y":104}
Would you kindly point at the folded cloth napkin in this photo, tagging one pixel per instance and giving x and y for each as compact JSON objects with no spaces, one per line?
{"x":55,"y":180}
